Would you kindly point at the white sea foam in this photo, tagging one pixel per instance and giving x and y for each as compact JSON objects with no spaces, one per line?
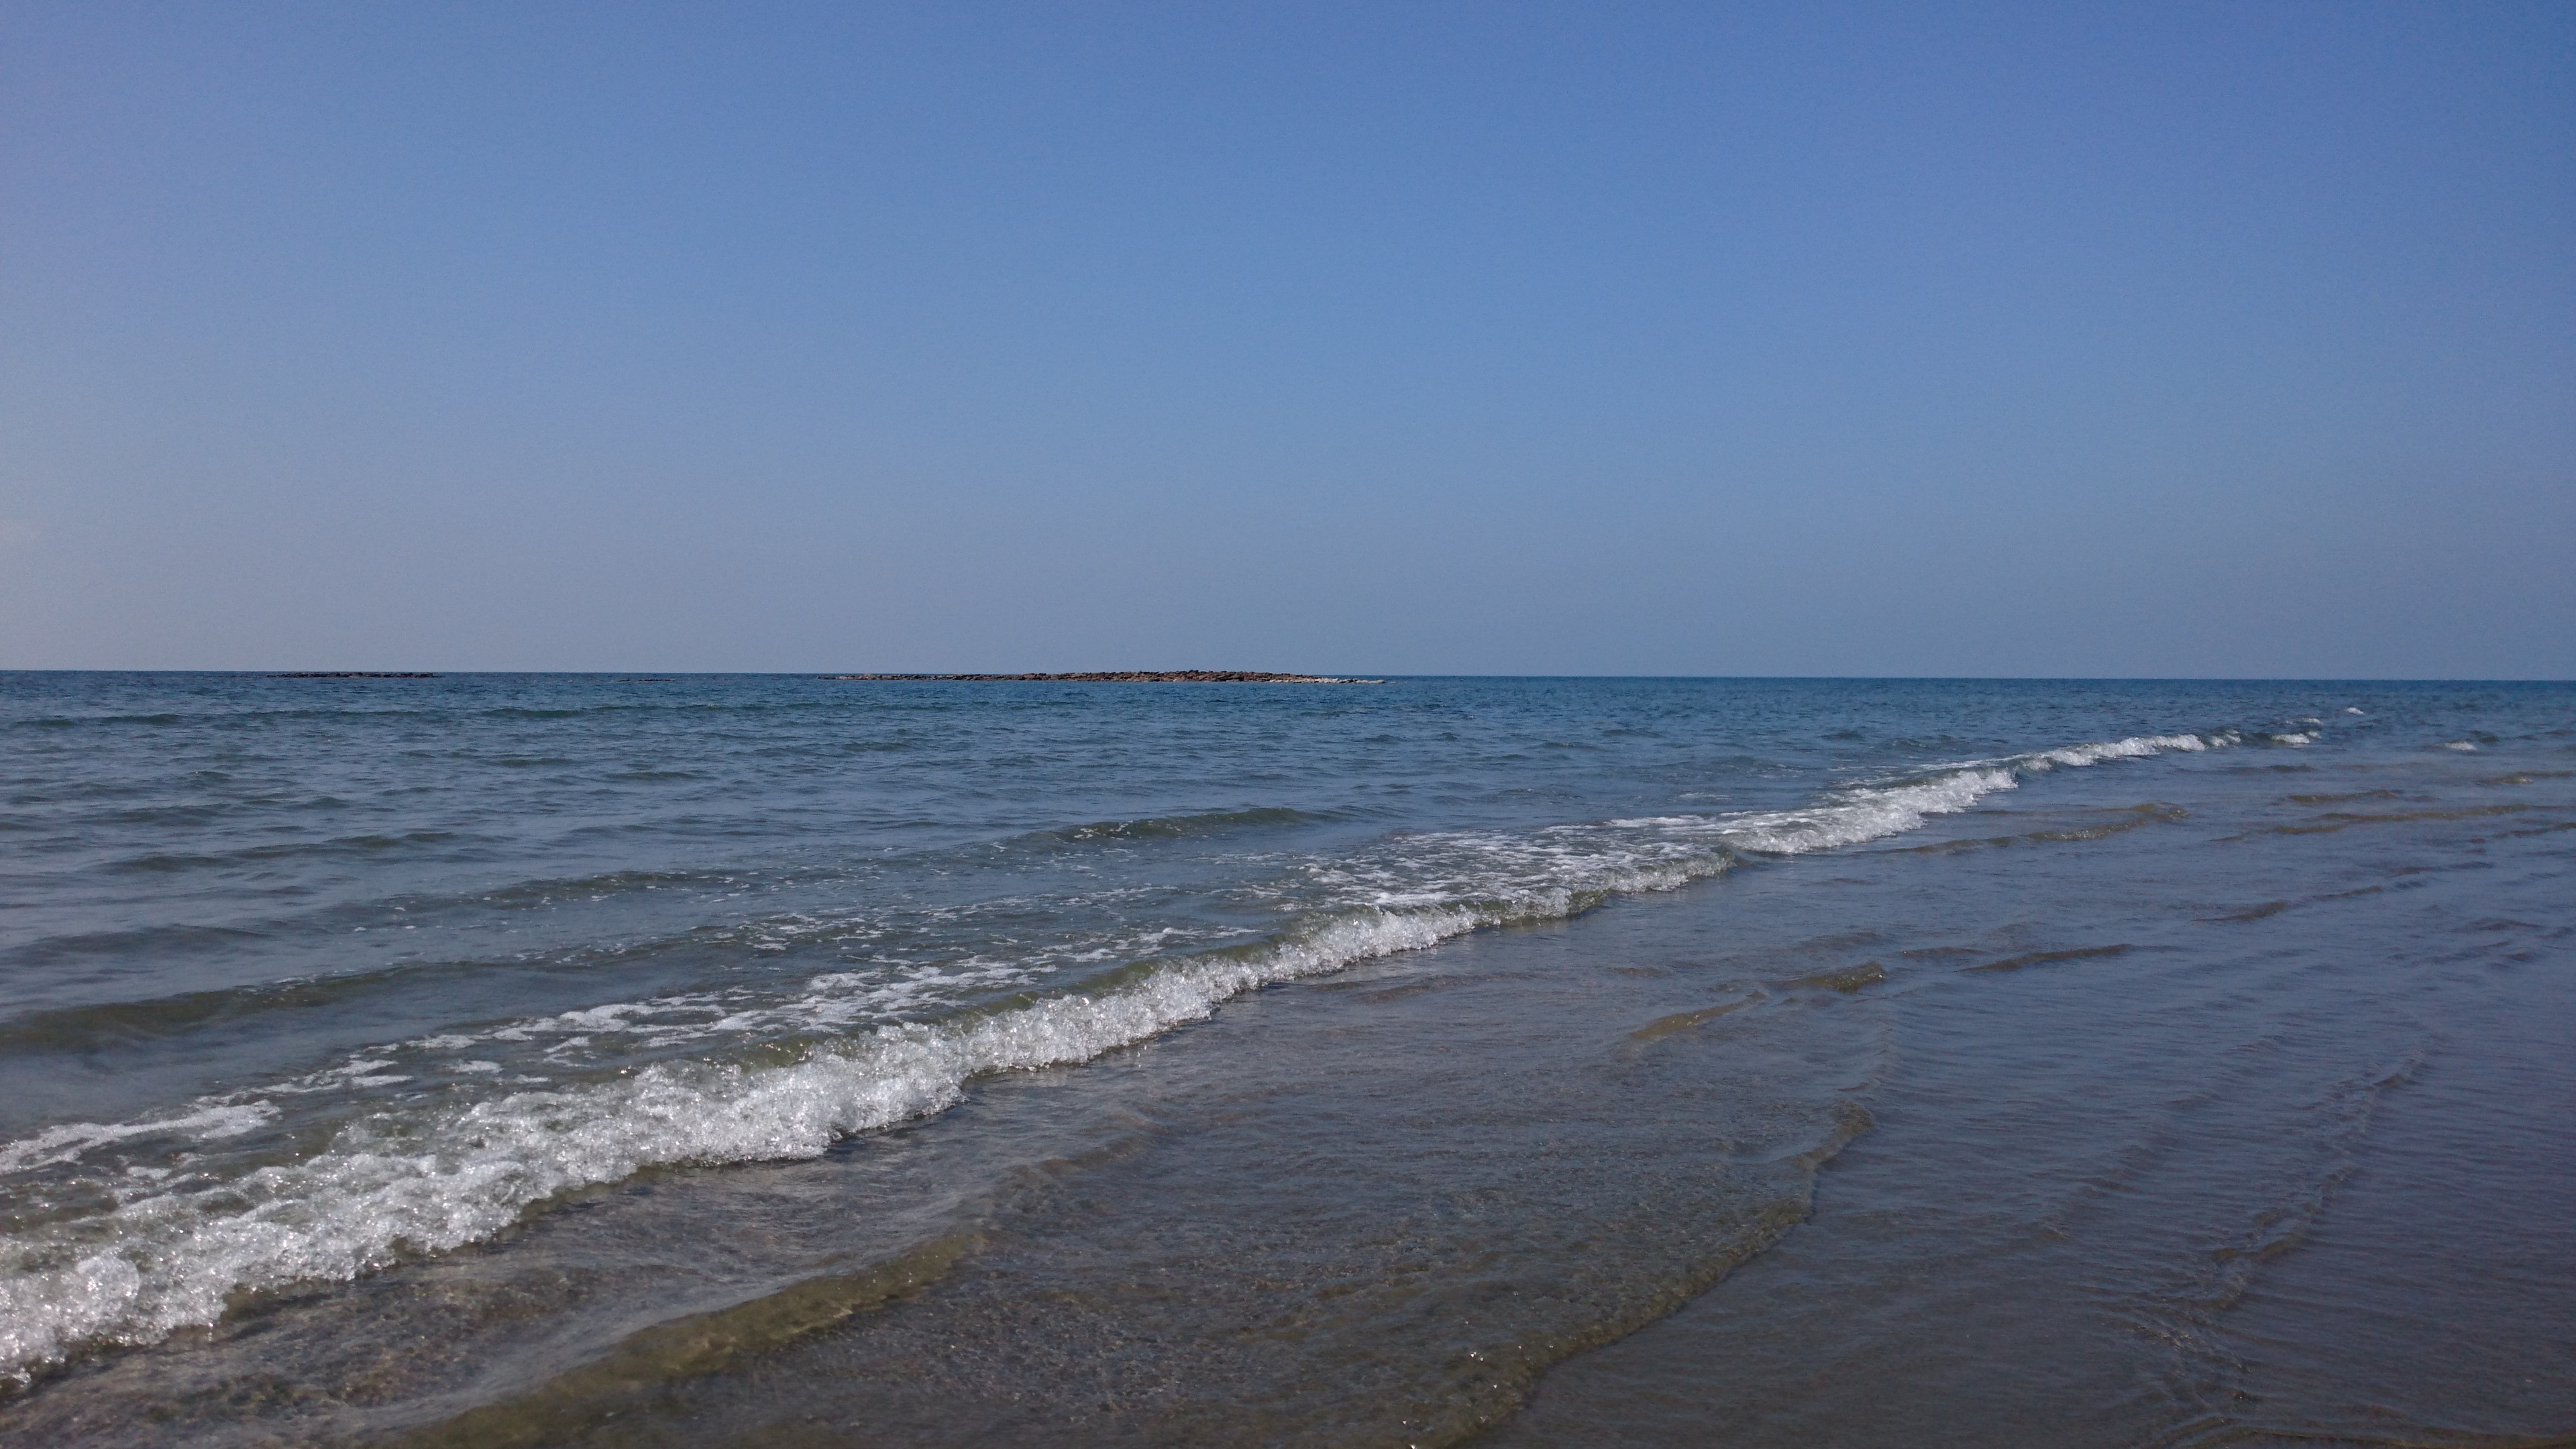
{"x":437,"y":1177}
{"x":2135,"y":747}
{"x":465,"y":1174}
{"x":208,"y":1120}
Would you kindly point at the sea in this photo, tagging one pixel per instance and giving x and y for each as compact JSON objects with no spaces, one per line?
{"x":493,"y":1059}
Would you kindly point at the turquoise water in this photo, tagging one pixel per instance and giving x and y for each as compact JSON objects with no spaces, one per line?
{"x":525,"y":1058}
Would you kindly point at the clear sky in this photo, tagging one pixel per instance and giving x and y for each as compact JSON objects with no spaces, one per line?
{"x":1903,"y":339}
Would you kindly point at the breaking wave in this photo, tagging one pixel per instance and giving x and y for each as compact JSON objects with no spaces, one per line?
{"x":157,"y":1249}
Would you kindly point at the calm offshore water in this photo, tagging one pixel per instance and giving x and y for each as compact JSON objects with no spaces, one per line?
{"x":556,"y":1059}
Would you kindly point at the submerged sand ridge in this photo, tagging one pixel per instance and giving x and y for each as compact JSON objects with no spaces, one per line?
{"x":1137,"y":676}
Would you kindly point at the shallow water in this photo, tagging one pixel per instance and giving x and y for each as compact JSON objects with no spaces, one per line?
{"x":540,"y":1059}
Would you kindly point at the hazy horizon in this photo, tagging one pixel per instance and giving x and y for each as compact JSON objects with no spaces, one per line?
{"x":828,"y":672}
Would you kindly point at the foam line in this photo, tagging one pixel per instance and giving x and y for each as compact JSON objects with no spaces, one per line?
{"x":440,"y":1178}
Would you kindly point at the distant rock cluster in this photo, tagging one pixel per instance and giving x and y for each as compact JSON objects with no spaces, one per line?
{"x":353,"y":674}
{"x":1138,"y":676}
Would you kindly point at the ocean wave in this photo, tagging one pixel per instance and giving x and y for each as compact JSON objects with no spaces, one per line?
{"x":446,"y":1172}
{"x":1185,"y":827}
{"x":358,"y":846}
{"x":71,"y":1140}
{"x":2135,"y":747}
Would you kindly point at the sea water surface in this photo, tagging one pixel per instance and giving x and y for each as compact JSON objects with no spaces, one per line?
{"x":561,"y":1059}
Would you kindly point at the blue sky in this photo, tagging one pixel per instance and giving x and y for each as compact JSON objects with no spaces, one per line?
{"x":1484,"y":338}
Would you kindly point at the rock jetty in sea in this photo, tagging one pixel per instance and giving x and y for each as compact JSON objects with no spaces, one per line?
{"x":1138,"y":676}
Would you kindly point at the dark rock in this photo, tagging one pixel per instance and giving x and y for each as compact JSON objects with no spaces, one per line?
{"x":1136,"y":676}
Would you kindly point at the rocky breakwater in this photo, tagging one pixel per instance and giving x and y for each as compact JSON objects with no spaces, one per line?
{"x":1135,"y":676}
